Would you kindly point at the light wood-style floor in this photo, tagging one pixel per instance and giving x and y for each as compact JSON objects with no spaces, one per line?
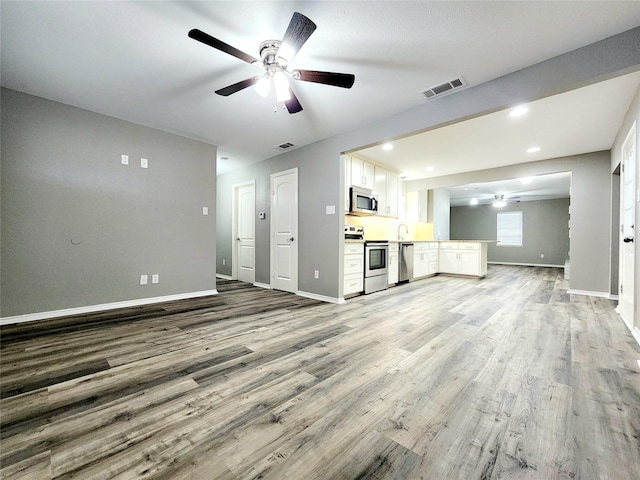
{"x":508,"y":377}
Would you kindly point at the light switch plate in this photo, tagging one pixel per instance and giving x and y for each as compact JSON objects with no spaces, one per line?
{"x":205,"y":210}
{"x":155,"y":278}
{"x":331,"y":209}
{"x":144,"y":279}
{"x":144,"y":163}
{"x":124,"y":159}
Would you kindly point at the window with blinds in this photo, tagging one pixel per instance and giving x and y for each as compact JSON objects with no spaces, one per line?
{"x":509,"y":229}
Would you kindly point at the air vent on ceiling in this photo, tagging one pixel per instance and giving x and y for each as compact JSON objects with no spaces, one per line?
{"x":285,"y":146}
{"x":444,"y":88}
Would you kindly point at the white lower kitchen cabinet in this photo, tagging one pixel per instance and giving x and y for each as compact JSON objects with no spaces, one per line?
{"x":423,"y":263}
{"x":393,"y":263}
{"x":463,"y":258}
{"x":434,"y":254}
{"x":353,"y":282}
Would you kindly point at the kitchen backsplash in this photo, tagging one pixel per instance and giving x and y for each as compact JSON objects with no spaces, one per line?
{"x":384,"y":228}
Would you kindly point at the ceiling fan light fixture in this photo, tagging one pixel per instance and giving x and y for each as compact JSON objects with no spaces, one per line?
{"x":263,"y":86}
{"x":281,"y":85}
{"x":499,"y":203}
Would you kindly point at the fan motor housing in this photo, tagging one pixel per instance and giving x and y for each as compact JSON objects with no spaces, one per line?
{"x":268,"y":51}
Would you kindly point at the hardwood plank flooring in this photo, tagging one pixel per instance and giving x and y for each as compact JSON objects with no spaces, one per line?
{"x":508,"y":377}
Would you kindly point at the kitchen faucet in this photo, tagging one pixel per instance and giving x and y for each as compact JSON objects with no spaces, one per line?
{"x":406,"y":231}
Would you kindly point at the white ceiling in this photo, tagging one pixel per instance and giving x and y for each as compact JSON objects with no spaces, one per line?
{"x":134,"y":61}
{"x":540,"y":187}
{"x":580,"y":121}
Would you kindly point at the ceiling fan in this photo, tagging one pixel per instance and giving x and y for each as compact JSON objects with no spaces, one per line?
{"x":275,"y":56}
{"x":500,"y":201}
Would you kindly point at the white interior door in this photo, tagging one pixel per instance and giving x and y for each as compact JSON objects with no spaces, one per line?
{"x":627,"y":237}
{"x":245,"y":232}
{"x":284,"y":230}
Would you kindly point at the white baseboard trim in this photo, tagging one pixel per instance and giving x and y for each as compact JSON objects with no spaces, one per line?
{"x":29,"y":317}
{"x":588,"y":293}
{"x":322,"y":298}
{"x":636,"y":334}
{"x":527,"y":264}
{"x":262,"y":285}
{"x":224,"y":277}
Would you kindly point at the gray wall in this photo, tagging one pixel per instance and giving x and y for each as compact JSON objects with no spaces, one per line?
{"x":318,"y":187}
{"x":62,"y":182}
{"x":605,"y":59}
{"x":545,"y":230}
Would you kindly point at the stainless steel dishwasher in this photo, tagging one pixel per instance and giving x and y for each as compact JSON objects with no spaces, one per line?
{"x":405,"y":265}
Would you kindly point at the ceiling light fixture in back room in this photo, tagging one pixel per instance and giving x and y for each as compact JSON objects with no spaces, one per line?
{"x":275,"y":57}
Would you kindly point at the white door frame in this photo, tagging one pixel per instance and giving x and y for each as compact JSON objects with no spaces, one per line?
{"x":630,"y":142}
{"x":273,"y":246}
{"x":234,"y":227}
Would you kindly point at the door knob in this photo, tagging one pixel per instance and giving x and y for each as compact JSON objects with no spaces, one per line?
{"x":291,"y":239}
{"x":628,"y":240}
{"x":238,"y":238}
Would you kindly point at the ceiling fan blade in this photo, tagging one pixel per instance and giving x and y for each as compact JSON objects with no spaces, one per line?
{"x":293,"y":104}
{"x":236,"y":87}
{"x":207,"y":39}
{"x":298,"y":32}
{"x":344,"y":80}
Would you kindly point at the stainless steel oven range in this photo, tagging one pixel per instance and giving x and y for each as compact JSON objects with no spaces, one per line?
{"x":376,"y":265}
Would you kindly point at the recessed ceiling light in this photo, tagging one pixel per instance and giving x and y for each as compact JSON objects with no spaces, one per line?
{"x":387,"y":146}
{"x":429,"y":169}
{"x":518,"y":111}
{"x":526,"y":180}
{"x":533,"y":149}
{"x":473,"y":201}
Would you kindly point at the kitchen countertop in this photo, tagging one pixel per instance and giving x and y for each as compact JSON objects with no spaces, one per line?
{"x":353,"y":240}
{"x":440,"y":241}
{"x":467,"y":241}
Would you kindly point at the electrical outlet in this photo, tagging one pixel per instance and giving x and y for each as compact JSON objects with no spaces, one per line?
{"x":144,"y":279}
{"x":316,"y":274}
{"x":155,"y":278}
{"x":144,"y":163}
{"x":542,"y":255}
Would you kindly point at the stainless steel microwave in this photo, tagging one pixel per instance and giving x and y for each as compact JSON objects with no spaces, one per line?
{"x":363,"y":201}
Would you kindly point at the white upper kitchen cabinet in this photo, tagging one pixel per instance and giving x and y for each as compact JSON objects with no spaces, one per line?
{"x":417,"y":206}
{"x":386,"y":185}
{"x":362,"y":173}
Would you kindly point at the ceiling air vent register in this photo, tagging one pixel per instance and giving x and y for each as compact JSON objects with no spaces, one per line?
{"x":444,"y":88}
{"x":285,"y":146}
